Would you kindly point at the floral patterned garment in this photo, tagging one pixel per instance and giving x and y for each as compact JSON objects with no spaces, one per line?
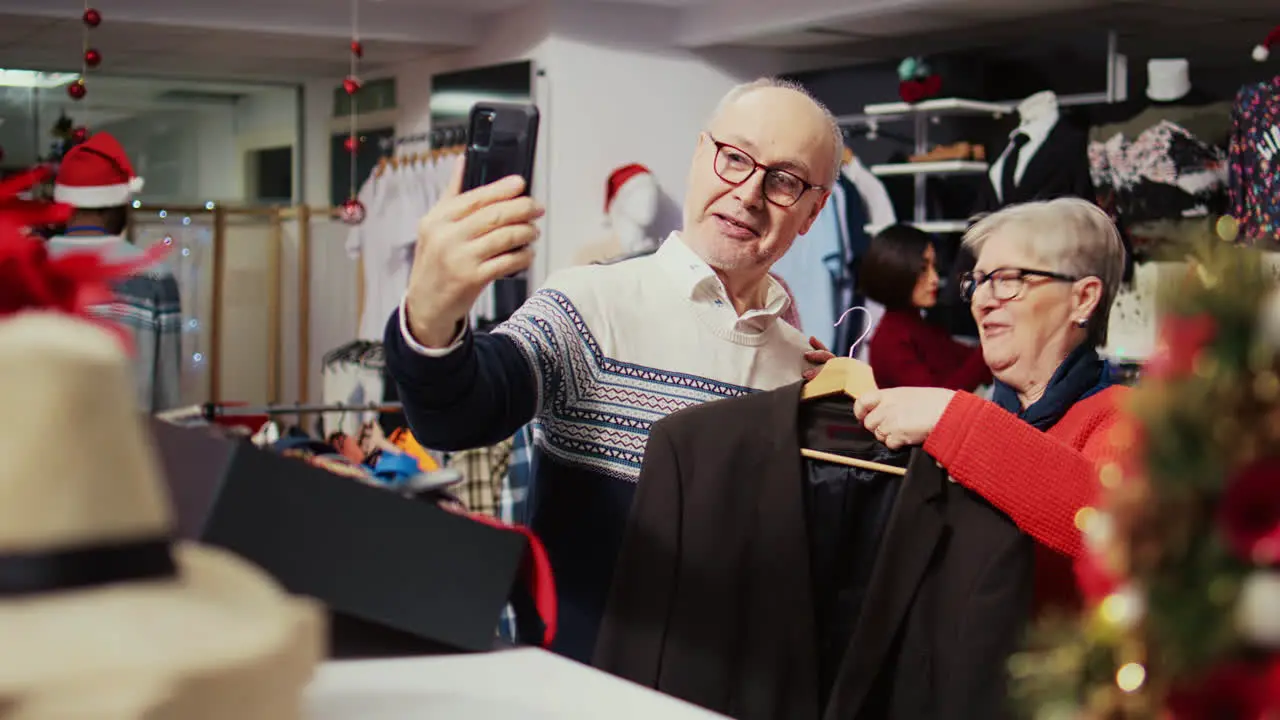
{"x":1165,"y":173}
{"x":1255,"y":161}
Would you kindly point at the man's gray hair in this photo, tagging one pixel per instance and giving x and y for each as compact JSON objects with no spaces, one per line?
{"x":1070,"y":236}
{"x":837,"y":136}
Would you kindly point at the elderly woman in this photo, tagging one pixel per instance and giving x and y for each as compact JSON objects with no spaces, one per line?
{"x":1041,"y":293}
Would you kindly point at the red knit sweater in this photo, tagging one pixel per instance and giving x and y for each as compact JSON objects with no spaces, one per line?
{"x":1040,"y":479}
{"x":906,"y":351}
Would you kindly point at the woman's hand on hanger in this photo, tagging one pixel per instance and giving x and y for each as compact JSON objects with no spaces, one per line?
{"x":468,"y":240}
{"x":819,"y":355}
{"x":902,"y":416}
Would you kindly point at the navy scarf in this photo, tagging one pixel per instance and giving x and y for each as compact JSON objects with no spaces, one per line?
{"x":1081,"y":375}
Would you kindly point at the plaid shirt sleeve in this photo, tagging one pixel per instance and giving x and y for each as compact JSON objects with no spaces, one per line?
{"x":514,"y":505}
{"x":514,"y":501}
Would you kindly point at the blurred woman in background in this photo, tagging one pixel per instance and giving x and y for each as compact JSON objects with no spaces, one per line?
{"x":898,"y":272}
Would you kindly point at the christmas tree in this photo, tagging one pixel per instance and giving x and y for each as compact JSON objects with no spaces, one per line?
{"x":1182,"y":579}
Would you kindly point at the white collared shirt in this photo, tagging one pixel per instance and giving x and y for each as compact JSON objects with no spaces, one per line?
{"x":691,"y":276}
{"x":1037,"y":132}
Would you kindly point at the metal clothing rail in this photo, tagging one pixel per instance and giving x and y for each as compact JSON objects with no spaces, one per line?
{"x":443,"y":136}
{"x":216,"y":410}
{"x":209,"y":411}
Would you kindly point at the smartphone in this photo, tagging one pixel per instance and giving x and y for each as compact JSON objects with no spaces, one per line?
{"x":502,"y":139}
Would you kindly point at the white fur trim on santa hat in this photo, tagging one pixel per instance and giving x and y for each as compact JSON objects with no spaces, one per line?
{"x":97,"y":197}
{"x":1261,"y":53}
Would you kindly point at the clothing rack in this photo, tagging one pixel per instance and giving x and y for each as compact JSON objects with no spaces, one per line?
{"x":214,"y":410}
{"x":210,"y":411}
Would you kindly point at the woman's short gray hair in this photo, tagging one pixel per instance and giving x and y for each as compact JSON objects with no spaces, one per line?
{"x":1071,"y":236}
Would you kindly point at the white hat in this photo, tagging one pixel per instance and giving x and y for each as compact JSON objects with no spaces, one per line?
{"x":100,"y":614}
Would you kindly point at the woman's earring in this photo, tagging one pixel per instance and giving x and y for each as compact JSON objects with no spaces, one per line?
{"x":1082,"y":322}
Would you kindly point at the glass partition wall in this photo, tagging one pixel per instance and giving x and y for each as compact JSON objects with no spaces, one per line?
{"x":192,"y":142}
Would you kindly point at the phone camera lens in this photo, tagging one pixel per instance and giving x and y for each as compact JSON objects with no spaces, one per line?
{"x":482,"y":130}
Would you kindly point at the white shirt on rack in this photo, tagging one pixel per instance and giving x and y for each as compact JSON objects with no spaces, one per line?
{"x":385,"y":243}
{"x":880,"y":212}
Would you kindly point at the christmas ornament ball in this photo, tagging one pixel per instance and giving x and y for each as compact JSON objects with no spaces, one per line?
{"x":92,"y":57}
{"x":352,"y":212}
{"x":77,"y":90}
{"x":92,"y":17}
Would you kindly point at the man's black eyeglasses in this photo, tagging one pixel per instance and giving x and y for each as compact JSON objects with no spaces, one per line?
{"x":781,"y":187}
{"x":1006,"y":283}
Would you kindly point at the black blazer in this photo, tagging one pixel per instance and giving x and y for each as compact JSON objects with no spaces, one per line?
{"x":711,"y":599}
{"x":1060,"y":168}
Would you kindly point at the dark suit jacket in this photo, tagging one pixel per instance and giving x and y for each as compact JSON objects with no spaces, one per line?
{"x":712,"y":602}
{"x":1060,"y":168}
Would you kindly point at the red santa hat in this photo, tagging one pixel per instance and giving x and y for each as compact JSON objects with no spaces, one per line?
{"x":96,"y":174}
{"x":1262,"y":51}
{"x":618,"y":178}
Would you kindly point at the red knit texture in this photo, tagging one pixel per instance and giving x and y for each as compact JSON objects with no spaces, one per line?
{"x":1039,"y":479}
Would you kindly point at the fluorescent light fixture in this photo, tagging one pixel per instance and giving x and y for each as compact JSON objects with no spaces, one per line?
{"x":458,"y":102}
{"x":35,"y":79}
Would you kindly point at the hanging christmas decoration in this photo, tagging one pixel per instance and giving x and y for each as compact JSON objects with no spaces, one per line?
{"x":352,"y":211}
{"x":90,"y":57}
{"x":79,"y":135}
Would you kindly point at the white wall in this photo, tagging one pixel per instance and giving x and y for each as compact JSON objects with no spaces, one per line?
{"x":197,"y":153}
{"x":268,"y":119}
{"x":612,"y":92}
{"x":607,"y":106}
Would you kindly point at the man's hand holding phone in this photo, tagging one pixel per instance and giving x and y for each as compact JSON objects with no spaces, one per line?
{"x":468,"y":240}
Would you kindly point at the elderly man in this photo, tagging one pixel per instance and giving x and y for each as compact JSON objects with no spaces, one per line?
{"x":601,"y":352}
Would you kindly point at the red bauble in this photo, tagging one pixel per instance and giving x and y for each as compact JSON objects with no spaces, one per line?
{"x":352,"y":212}
{"x":351,"y":84}
{"x":92,"y":58}
{"x":1249,"y":513}
{"x":77,"y":90}
{"x":1235,"y":689}
{"x":1180,"y":340}
{"x":80,"y":134}
{"x":357,"y":49}
{"x":92,"y":18}
{"x":351,"y":143}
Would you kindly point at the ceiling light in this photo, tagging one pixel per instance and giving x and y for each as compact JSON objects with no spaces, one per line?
{"x":35,"y":79}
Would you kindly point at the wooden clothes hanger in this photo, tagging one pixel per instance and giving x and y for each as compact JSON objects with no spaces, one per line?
{"x":849,"y":377}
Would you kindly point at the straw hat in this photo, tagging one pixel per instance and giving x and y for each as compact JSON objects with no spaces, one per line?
{"x":100,"y":615}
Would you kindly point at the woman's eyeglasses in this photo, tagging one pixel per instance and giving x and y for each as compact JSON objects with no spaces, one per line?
{"x":735,"y":166}
{"x":1006,"y":283}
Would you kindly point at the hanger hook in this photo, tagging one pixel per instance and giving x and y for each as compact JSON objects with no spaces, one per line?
{"x":865,"y":331}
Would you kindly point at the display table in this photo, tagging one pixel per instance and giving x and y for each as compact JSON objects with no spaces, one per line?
{"x":527,"y":683}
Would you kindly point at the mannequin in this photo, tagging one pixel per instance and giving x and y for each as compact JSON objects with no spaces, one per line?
{"x":1047,"y":155}
{"x":633,"y":211}
{"x":631,"y":207}
{"x":98,"y":180}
